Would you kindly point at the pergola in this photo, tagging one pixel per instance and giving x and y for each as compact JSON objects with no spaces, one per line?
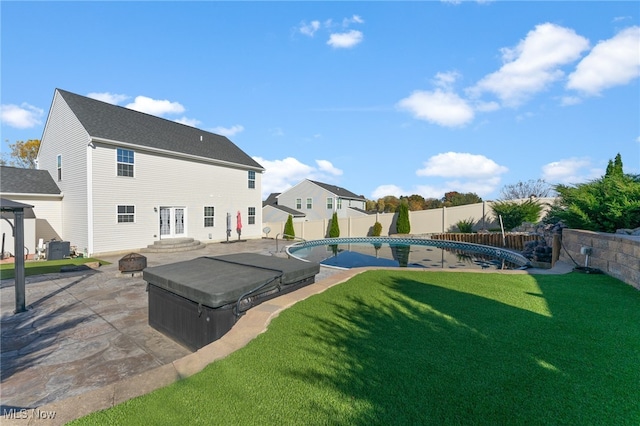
{"x":18,"y":238}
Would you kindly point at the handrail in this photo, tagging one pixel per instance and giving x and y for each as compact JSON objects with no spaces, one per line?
{"x":290,"y":237}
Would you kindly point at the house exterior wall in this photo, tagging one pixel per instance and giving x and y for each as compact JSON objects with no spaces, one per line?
{"x":167,"y":181}
{"x":42,"y":221}
{"x":64,"y":135}
{"x":272,"y":214}
{"x":319,"y":195}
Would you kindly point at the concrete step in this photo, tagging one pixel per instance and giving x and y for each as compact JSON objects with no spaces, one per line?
{"x":173,"y":245}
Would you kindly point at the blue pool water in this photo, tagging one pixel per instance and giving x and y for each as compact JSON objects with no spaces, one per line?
{"x":405,"y":252}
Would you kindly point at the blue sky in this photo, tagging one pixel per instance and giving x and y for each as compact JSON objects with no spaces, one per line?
{"x":382,"y":98}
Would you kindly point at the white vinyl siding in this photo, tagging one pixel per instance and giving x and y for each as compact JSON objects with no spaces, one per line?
{"x":64,"y":135}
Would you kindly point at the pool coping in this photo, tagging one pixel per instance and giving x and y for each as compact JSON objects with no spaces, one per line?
{"x":253,"y":323}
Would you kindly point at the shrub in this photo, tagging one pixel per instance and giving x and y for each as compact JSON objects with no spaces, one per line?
{"x":377,"y":229}
{"x":289,"y":232}
{"x":514,"y":213}
{"x":402,"y":225}
{"x":334,"y":231}
{"x":466,"y":225}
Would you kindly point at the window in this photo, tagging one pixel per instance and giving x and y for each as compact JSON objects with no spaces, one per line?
{"x":125,"y":162}
{"x":330,"y":203}
{"x":252,"y":179}
{"x":251,"y":213}
{"x":339,"y":203}
{"x":59,"y":168}
{"x":126,"y":214}
{"x":309,"y":203}
{"x":209,"y":216}
{"x":298,"y":203}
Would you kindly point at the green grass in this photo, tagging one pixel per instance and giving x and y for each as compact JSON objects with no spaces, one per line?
{"x":392,"y":347}
{"x":44,"y":267}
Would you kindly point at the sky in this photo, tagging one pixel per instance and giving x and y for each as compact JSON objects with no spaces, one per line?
{"x":380,"y":98}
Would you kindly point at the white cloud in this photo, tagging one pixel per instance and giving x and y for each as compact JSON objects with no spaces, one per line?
{"x":228,"y":131}
{"x":326,"y":166}
{"x":438,"y":107}
{"x":384,"y":190}
{"x":461,"y":165}
{"x":22,"y":117}
{"x":155,"y":106}
{"x":570,"y":171}
{"x":345,"y":40}
{"x":188,"y":121}
{"x":309,"y":29}
{"x":570,"y":100}
{"x":533,"y":64}
{"x":281,"y":175}
{"x":445,"y":80}
{"x":112,"y":98}
{"x":612,"y":62}
{"x":355,"y":19}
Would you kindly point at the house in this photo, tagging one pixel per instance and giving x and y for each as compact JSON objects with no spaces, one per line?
{"x":316,"y":201}
{"x":38,"y":189}
{"x":273,"y":212}
{"x":129,"y":179}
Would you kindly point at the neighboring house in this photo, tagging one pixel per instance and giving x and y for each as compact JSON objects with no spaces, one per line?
{"x":272,"y":212}
{"x":35,"y":188}
{"x":317,"y":200}
{"x":130,"y":178}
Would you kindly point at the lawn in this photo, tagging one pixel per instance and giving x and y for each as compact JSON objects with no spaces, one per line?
{"x":45,"y":267}
{"x":407,"y":347}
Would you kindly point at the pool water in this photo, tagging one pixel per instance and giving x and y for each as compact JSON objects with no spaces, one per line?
{"x":411,"y":253}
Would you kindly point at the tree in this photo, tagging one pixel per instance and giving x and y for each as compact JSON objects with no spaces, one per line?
{"x":514,"y":213}
{"x":536,"y":188}
{"x":289,"y":231}
{"x":455,"y":198}
{"x":415,"y":202}
{"x":606,"y":204}
{"x":402,"y":225}
{"x":334,"y":230}
{"x":23,"y":154}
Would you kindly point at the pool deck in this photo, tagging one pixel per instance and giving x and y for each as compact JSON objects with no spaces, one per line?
{"x":84,"y":344}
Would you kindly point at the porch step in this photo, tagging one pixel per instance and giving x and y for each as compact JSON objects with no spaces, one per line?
{"x":172,"y":245}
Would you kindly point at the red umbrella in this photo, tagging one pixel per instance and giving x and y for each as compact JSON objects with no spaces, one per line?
{"x":239,"y":224}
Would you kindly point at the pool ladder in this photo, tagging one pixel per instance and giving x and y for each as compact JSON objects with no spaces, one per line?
{"x":288,"y":237}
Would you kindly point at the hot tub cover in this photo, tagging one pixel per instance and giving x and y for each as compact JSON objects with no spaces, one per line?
{"x":220,"y":280}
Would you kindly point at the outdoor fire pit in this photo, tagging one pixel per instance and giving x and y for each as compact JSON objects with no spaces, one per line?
{"x":133,"y":262}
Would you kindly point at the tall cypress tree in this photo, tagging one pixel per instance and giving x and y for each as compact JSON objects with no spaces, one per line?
{"x":402,"y":225}
{"x":334,"y":231}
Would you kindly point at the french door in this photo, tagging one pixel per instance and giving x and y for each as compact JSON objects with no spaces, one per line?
{"x":172,"y":222}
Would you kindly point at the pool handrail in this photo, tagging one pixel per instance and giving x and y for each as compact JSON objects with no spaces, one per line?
{"x":289,"y":237}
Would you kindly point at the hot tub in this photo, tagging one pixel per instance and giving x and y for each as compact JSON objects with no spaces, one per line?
{"x":196,"y":302}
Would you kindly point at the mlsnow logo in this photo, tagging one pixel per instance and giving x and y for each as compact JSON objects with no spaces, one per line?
{"x":23,"y":414}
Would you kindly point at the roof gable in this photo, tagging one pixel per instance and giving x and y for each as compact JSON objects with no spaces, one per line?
{"x":14,"y":180}
{"x":110,"y":122}
{"x":340,"y":192}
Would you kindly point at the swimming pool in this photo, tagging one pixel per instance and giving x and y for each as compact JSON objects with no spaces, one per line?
{"x":346,"y":253}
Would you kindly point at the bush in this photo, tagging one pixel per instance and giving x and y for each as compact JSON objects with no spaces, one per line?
{"x":466,"y":226}
{"x":606,"y":204}
{"x":289,"y":232}
{"x":334,"y":231}
{"x":402,"y":225}
{"x":377,"y":229}
{"x":515,"y":214}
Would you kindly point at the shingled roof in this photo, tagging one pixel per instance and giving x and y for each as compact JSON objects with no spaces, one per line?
{"x":118,"y":124}
{"x":14,"y":180}
{"x":340,"y":192}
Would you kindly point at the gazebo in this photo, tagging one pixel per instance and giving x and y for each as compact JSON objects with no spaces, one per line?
{"x":18,"y":237}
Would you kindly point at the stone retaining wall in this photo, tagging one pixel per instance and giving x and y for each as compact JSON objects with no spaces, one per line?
{"x":617,"y":255}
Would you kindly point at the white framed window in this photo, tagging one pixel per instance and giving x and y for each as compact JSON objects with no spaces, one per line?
{"x":126,"y":214}
{"x":252,"y":179}
{"x":339,"y":204}
{"x":209,"y":216}
{"x":251,"y":215}
{"x":125,"y":162}
{"x":298,"y":203}
{"x":329,"y":203}
{"x":309,"y":203}
{"x":59,"y":162}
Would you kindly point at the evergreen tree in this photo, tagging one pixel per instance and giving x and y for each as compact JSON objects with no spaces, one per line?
{"x":289,"y":232}
{"x":334,"y":231}
{"x":402,"y":225}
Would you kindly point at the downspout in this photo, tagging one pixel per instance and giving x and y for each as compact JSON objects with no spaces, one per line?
{"x":89,"y":249}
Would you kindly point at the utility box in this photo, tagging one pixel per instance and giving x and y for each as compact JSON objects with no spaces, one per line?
{"x":57,"y":250}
